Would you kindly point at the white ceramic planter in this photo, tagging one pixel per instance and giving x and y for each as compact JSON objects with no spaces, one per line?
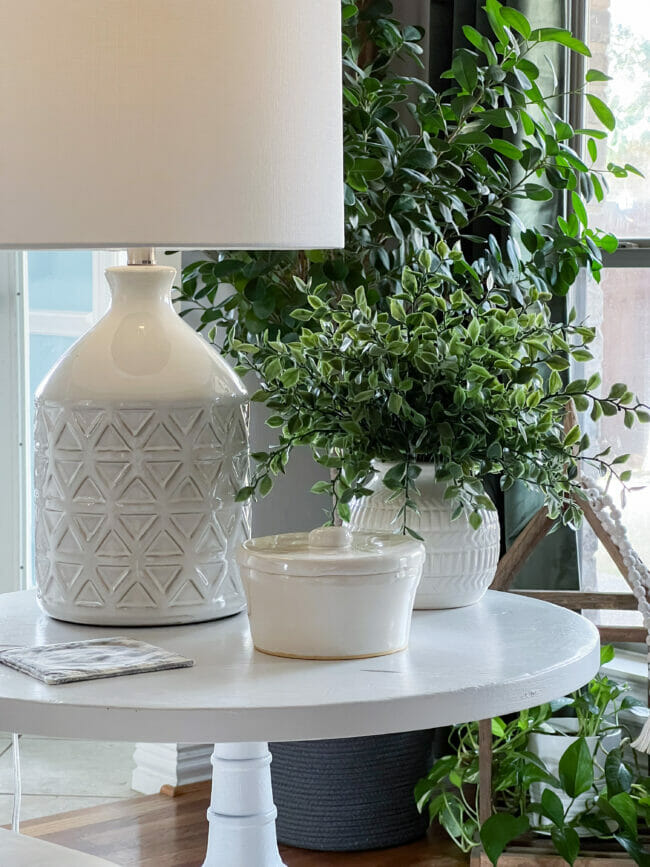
{"x":141,"y":444}
{"x":460,"y":561}
{"x":550,"y":749}
{"x":330,"y":594}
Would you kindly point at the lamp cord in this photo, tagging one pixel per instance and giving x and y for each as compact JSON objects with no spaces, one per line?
{"x":15,"y":815}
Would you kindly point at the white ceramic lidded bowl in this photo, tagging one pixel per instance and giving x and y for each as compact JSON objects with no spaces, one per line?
{"x":331,"y":593}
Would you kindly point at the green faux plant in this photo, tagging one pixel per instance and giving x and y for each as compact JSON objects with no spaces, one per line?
{"x":455,"y":373}
{"x":449,"y":355}
{"x":618,"y":800}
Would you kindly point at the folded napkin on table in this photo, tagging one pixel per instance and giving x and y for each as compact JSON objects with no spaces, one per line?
{"x":92,"y":659}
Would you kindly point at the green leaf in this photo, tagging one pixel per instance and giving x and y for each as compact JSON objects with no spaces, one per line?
{"x":343,"y":510}
{"x":607,"y":652}
{"x":498,"y":727}
{"x":244,"y":494}
{"x":394,"y":475}
{"x":352,"y":427}
{"x":302,"y":315}
{"x":617,"y":391}
{"x":552,"y":807}
{"x":395,"y":402}
{"x":474,"y":330}
{"x":602,"y":111}
{"x":581,"y":402}
{"x":567,"y":843}
{"x":450,"y":816}
{"x":499,"y":830}
{"x":409,"y":283}
{"x":592,"y":147}
{"x":556,"y":362}
{"x":596,"y":75}
{"x":573,"y":436}
{"x":609,"y":409}
{"x":397,"y":311}
{"x":506,"y":148}
{"x":472,"y":35}
{"x":475,"y":520}
{"x":290,"y":377}
{"x":617,"y":774}
{"x":321,"y":487}
{"x":538,"y":193}
{"x":464,"y":68}
{"x":562,"y":37}
{"x":554,"y":382}
{"x":351,"y":97}
{"x":579,"y":209}
{"x":495,"y":451}
{"x":576,"y":770}
{"x":626,"y":809}
{"x":609,"y":243}
{"x":272,"y":368}
{"x":563,"y":130}
{"x":266,"y":483}
{"x":513,"y":18}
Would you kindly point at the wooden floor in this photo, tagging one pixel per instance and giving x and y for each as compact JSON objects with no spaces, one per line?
{"x":159,"y":831}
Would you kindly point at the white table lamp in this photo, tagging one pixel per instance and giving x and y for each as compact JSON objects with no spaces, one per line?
{"x":157,"y":123}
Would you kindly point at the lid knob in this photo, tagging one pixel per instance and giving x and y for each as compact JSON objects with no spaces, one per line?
{"x":330,"y":537}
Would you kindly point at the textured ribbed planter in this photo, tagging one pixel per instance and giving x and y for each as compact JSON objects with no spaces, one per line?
{"x":350,"y":794}
{"x":550,"y":749}
{"x":460,"y":561}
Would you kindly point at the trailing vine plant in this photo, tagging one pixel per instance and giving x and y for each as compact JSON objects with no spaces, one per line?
{"x":612,"y":786}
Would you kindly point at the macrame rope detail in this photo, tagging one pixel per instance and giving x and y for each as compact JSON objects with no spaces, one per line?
{"x":638,"y":575}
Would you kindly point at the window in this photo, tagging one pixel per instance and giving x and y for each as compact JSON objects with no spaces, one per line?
{"x":618,"y":32}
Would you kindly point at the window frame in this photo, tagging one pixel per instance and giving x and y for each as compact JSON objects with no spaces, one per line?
{"x":14,"y":459}
{"x":632,"y":252}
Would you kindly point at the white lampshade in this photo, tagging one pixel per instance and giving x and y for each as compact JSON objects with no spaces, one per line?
{"x":170,"y":123}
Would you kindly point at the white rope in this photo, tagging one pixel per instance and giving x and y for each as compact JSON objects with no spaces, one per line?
{"x":15,"y":814}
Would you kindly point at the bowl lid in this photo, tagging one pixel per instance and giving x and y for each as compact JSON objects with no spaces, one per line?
{"x":330,"y":551}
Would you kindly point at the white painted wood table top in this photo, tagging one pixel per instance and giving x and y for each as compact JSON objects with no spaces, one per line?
{"x":501,"y":655}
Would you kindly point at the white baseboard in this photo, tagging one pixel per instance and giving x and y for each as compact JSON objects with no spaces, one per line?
{"x":158,"y":765}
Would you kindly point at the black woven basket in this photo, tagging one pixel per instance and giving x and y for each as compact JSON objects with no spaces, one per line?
{"x":350,"y":794}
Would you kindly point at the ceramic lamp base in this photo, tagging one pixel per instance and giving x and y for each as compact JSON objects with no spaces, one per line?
{"x":136,"y":520}
{"x":141,"y":444}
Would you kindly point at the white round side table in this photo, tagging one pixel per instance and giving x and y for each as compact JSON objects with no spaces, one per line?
{"x":501,"y":655}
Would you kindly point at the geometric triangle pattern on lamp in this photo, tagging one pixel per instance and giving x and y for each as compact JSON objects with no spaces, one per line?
{"x":136,"y":519}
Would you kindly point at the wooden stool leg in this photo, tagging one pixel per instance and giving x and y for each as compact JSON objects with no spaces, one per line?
{"x":485,"y":769}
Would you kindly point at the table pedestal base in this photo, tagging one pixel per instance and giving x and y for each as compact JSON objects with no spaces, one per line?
{"x":242,"y":813}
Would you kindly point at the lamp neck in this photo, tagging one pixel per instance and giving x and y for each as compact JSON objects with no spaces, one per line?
{"x":140,"y":287}
{"x":141,"y":256}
